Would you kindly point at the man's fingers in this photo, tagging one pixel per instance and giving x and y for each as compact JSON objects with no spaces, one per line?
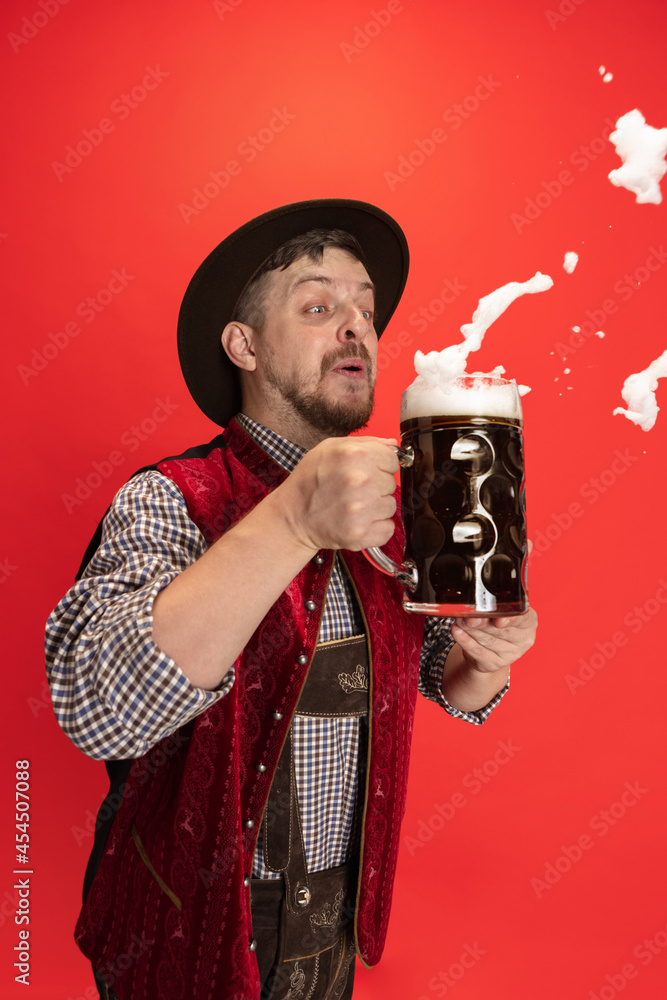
{"x":386,"y":507}
{"x":492,"y":632}
{"x":490,"y":639}
{"x":389,"y":458}
{"x":526,"y":620}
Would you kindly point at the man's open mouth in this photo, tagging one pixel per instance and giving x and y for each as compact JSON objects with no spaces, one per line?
{"x":351,"y":367}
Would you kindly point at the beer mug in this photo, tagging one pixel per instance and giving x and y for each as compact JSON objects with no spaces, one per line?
{"x":463,"y":500}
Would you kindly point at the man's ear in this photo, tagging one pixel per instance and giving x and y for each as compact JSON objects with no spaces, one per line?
{"x":237,"y":342}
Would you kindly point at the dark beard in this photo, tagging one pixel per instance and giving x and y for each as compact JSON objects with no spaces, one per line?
{"x":330,"y":419}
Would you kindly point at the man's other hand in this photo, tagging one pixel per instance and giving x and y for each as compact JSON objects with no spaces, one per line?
{"x":491,"y":644}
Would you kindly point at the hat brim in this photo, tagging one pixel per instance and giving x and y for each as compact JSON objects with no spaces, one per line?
{"x":215,"y":288}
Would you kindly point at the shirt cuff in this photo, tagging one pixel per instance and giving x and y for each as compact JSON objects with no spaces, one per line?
{"x":437,"y":643}
{"x":480,"y":715}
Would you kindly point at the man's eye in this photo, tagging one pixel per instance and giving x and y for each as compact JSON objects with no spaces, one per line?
{"x":319,"y":309}
{"x":367,"y":314}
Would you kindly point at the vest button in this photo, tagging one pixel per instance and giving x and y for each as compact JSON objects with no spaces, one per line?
{"x":319,"y":560}
{"x":252,"y":946}
{"x":246,"y":881}
{"x":260,"y":768}
{"x":302,"y":660}
{"x":248,"y":823}
{"x":310,"y":606}
{"x":277,"y":716}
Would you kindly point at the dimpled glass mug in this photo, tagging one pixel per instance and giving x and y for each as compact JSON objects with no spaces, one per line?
{"x":463,"y":500}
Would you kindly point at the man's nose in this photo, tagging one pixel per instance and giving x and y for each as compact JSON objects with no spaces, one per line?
{"x":355,"y":326}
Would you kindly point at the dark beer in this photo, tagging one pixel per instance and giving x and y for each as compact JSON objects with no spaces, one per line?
{"x":463,"y":502}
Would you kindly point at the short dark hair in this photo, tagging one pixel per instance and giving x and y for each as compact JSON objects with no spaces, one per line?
{"x":250,"y":306}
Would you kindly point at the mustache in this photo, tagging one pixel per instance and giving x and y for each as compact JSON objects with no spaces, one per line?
{"x":342,"y":354}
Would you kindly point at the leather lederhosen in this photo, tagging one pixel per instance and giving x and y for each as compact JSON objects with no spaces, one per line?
{"x":303,"y":922}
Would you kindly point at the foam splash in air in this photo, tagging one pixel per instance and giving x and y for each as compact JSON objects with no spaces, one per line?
{"x":436,"y":389}
{"x":445,"y":366}
{"x":570,"y":261}
{"x":639,"y":393}
{"x":642,"y":149}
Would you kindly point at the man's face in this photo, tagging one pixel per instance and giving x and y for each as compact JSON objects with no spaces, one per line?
{"x":317,"y":350}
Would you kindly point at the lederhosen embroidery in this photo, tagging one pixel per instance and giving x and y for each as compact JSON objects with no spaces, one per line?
{"x":312,"y":948}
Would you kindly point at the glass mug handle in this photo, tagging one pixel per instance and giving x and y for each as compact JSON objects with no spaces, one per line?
{"x":406,"y":573}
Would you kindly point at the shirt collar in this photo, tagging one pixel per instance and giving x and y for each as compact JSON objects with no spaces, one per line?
{"x":282,"y":451}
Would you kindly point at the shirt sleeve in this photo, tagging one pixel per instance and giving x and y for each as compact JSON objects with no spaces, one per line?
{"x":437,"y":643}
{"x":114,"y":692}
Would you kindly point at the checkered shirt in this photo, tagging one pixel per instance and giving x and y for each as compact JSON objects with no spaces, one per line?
{"x":116,"y":694}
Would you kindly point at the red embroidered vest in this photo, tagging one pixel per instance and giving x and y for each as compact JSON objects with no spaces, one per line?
{"x":168,"y":915}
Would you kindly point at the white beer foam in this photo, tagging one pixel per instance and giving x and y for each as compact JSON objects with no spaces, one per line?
{"x":491,"y":306}
{"x":642,"y":149}
{"x":570,"y":261}
{"x":639,"y":393}
{"x":463,"y":398}
{"x":443,"y":366}
{"x":438,"y":370}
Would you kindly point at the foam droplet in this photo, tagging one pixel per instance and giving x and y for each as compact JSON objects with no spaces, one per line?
{"x":639,"y":393}
{"x":642,"y":149}
{"x":570,"y":261}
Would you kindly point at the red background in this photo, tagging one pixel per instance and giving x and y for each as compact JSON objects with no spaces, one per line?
{"x":356,"y":111}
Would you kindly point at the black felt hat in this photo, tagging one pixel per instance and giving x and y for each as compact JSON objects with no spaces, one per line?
{"x":217,"y":284}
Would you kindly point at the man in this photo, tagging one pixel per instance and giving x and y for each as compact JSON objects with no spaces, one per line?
{"x":247,"y":674}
